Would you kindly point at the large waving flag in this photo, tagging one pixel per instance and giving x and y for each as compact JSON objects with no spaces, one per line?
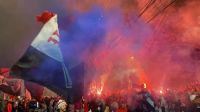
{"x":43,"y":62}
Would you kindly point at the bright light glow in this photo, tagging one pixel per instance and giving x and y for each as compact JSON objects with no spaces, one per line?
{"x":145,"y":85}
{"x":161,"y":92}
{"x":132,"y":57}
{"x":96,"y":88}
{"x":98,"y":92}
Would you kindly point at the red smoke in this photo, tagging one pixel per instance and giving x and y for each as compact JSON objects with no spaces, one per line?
{"x":164,"y":61}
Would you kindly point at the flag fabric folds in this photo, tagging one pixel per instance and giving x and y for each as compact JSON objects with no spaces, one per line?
{"x":35,"y":90}
{"x":43,"y":62}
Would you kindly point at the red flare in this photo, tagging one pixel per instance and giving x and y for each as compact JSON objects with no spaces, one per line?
{"x":161,"y":92}
{"x":145,"y":85}
{"x":45,"y":16}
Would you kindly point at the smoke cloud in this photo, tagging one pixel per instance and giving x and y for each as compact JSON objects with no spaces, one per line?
{"x":122,"y":42}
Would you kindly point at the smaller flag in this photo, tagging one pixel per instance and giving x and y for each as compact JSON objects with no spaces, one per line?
{"x":10,"y":86}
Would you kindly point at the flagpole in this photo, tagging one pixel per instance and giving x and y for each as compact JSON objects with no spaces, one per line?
{"x":68,"y":81}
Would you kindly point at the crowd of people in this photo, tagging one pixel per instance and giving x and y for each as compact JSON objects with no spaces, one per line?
{"x":46,"y":104}
{"x":143,"y":101}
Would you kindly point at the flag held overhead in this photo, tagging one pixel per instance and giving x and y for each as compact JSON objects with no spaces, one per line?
{"x":43,"y":62}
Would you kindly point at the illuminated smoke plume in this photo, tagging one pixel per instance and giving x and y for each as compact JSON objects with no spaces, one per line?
{"x":161,"y":36}
{"x":172,"y":55}
{"x":108,"y":40}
